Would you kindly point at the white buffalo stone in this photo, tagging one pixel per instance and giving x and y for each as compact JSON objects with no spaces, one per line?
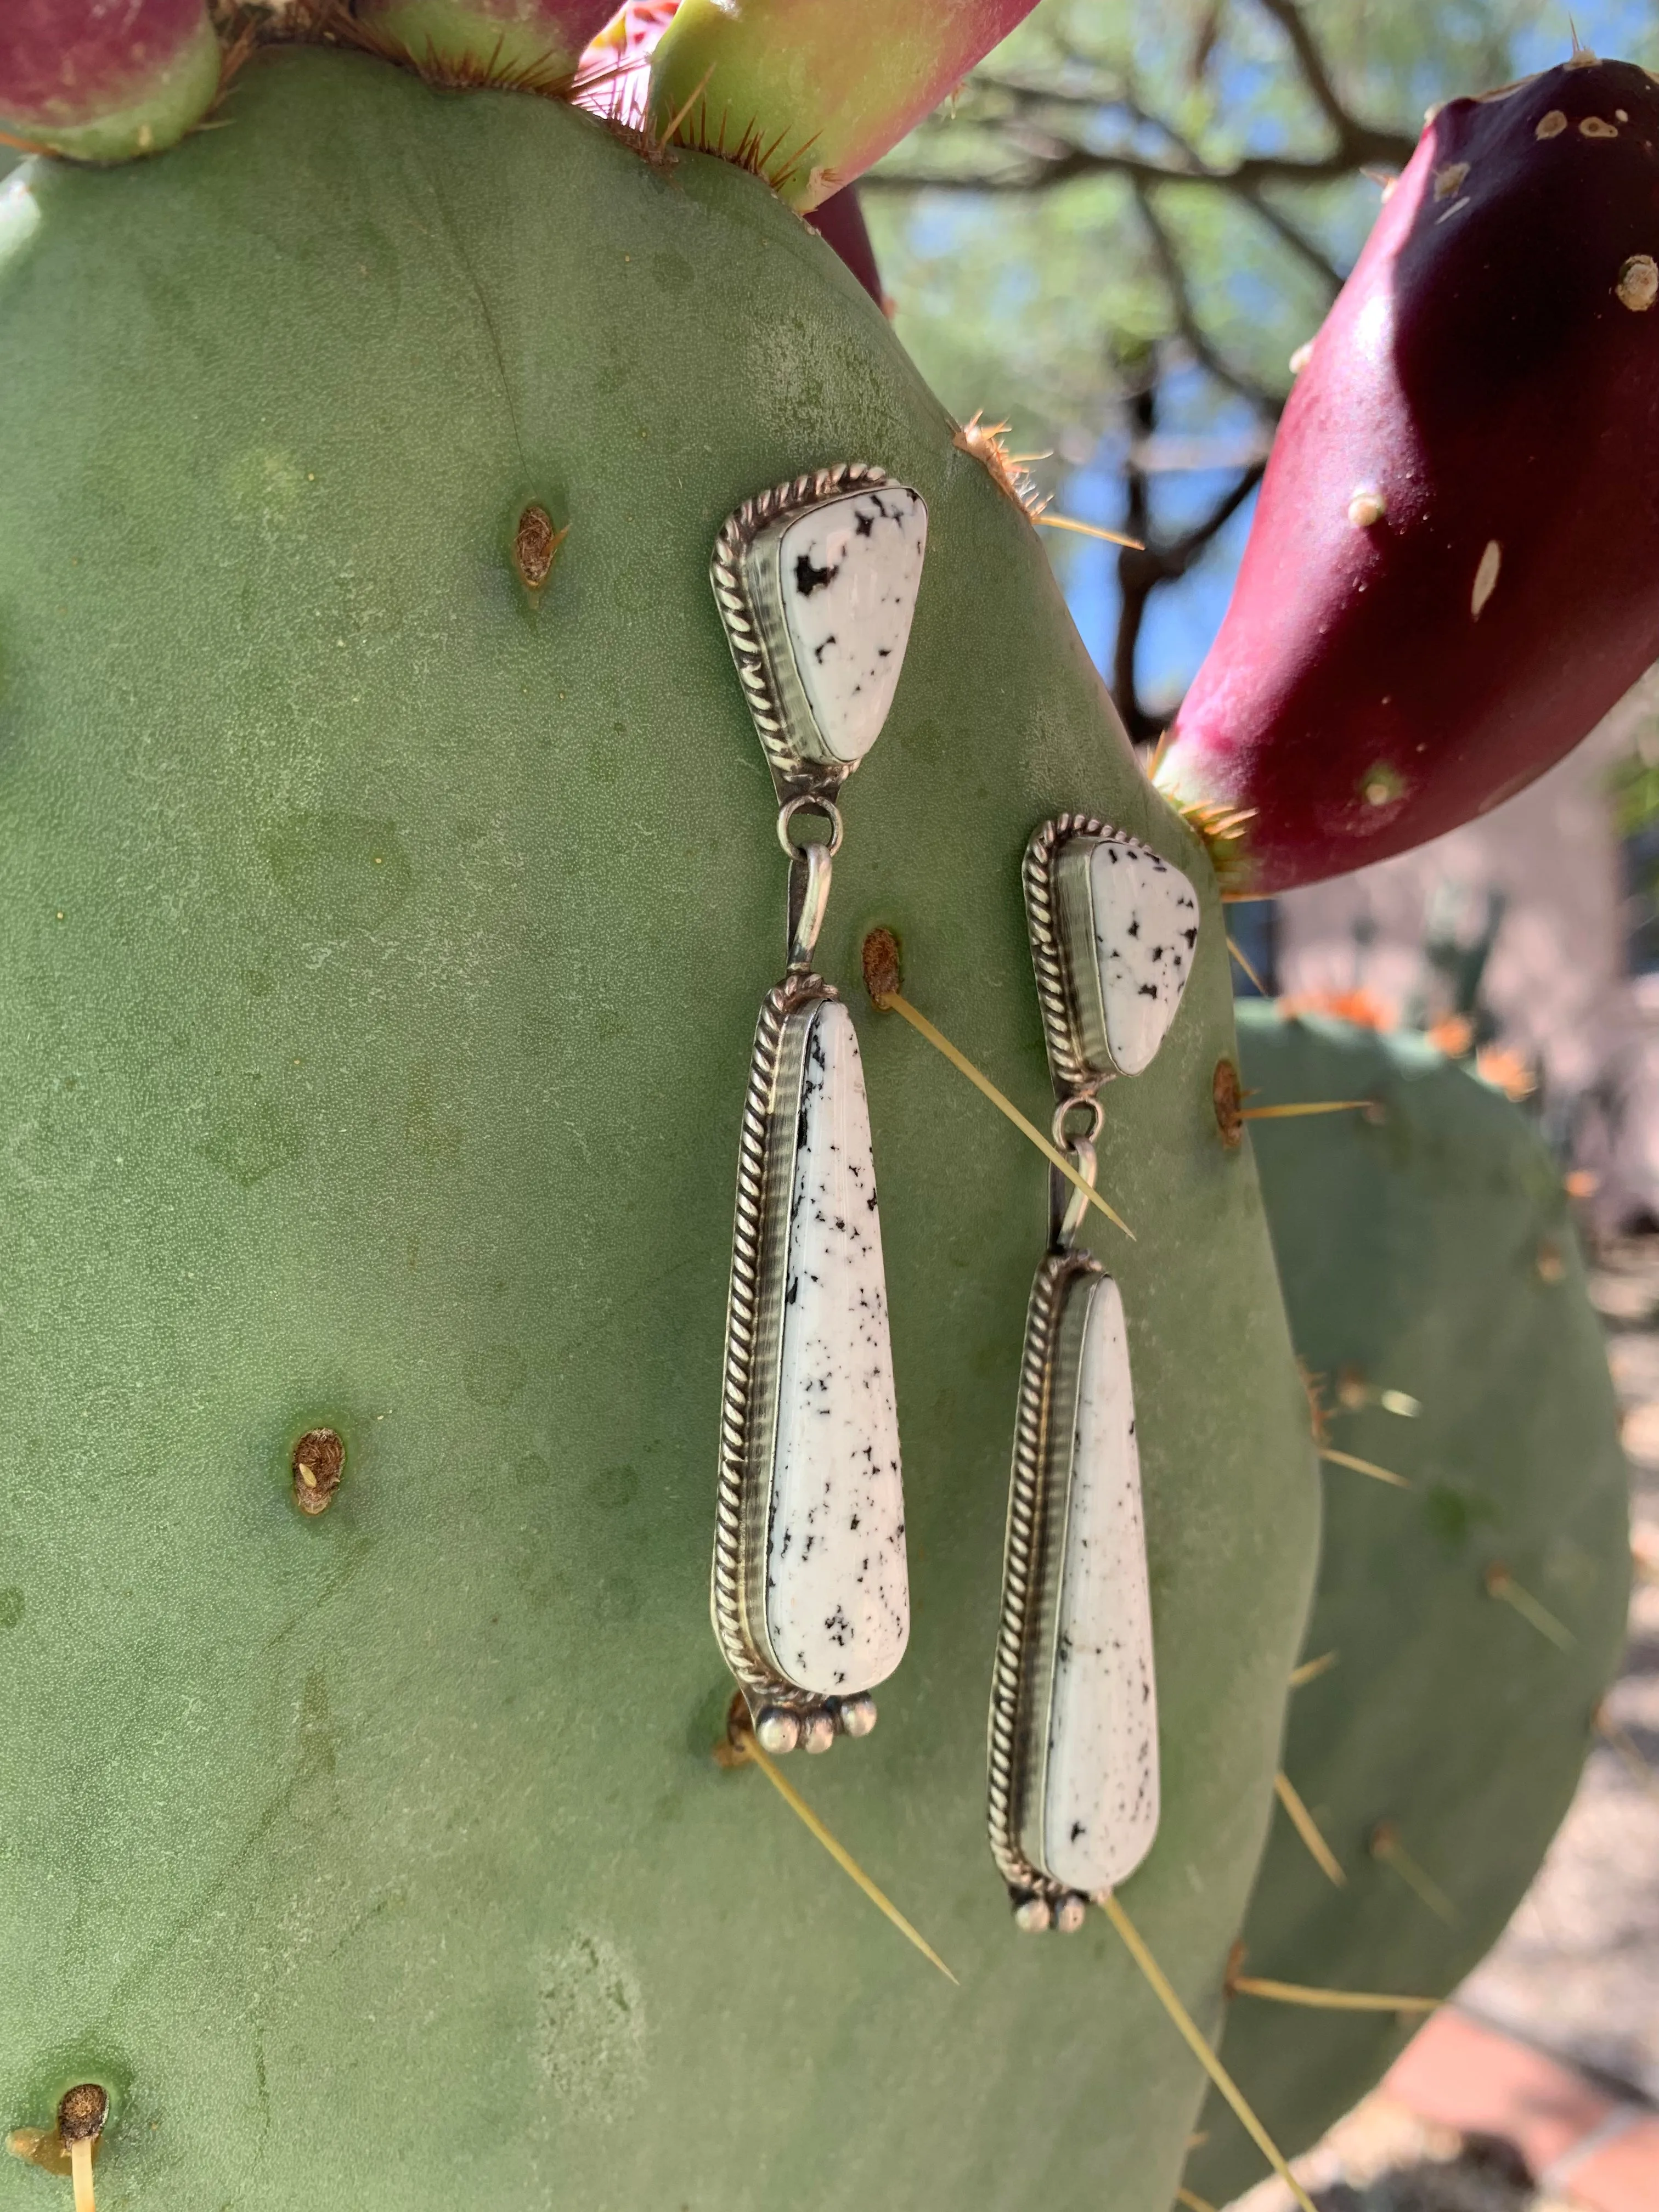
{"x":837,"y":1592}
{"x":1146,"y":916}
{"x":848,"y":573}
{"x":1101,"y":1796}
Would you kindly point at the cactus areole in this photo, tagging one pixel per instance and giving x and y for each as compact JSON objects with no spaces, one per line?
{"x":1453,"y":571}
{"x":392,"y":878}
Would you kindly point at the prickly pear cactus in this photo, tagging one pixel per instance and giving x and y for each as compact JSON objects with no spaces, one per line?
{"x":1427,"y":1253}
{"x":390,"y":882}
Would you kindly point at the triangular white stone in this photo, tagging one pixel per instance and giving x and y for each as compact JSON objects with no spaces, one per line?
{"x":1101,"y":1800}
{"x":1146,"y":917}
{"x":847,"y":573}
{"x":838,"y":1591}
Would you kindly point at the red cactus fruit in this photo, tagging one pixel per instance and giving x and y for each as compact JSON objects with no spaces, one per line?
{"x":811,"y":92}
{"x":1454,"y":568}
{"x":103,"y":80}
{"x":840,"y":223}
{"x":613,"y":80}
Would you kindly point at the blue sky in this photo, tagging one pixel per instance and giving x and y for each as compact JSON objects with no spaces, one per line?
{"x":1182,"y":619}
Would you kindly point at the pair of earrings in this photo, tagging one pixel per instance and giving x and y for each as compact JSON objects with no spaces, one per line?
{"x":816,"y":582}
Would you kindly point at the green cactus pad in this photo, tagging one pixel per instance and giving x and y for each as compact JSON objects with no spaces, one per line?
{"x":1426,"y":1249}
{"x":380,"y":943}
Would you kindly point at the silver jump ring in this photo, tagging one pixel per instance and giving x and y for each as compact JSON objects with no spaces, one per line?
{"x":808,"y":800}
{"x":1084,"y":1100}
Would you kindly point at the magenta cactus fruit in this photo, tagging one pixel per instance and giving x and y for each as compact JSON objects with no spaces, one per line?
{"x":840,"y":223}
{"x":104,"y":80}
{"x":533,"y":44}
{"x":812,"y":92}
{"x":1454,"y":568}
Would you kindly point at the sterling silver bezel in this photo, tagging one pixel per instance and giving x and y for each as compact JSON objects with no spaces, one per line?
{"x":754,"y":1342}
{"x":745,"y":592}
{"x":1063,"y":953}
{"x":1033,"y":1562}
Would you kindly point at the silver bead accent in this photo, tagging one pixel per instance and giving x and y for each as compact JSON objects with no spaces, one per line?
{"x":817,"y":1732}
{"x":1069,"y":1913}
{"x":858,"y":1715}
{"x":1032,"y":1916}
{"x":777,"y":1730}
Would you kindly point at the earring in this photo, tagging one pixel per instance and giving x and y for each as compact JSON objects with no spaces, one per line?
{"x":816,"y":582}
{"x":1073,"y":1768}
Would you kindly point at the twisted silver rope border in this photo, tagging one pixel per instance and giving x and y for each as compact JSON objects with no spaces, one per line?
{"x":754,"y":1677}
{"x":737,"y":613}
{"x":1071,"y":1075}
{"x":1023,"y":1568}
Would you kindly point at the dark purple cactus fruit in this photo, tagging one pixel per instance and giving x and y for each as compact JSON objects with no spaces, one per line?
{"x":840,"y":223}
{"x":1454,"y":568}
{"x":104,"y":78}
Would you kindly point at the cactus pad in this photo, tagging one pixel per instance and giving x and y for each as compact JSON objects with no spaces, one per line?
{"x":1427,"y":1253}
{"x":390,"y":883}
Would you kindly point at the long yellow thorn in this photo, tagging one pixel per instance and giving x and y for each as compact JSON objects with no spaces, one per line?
{"x":1501,"y":1584}
{"x":1295,"y":1993}
{"x":897,"y":1003}
{"x":1294,"y":1113}
{"x":1163,"y":1990}
{"x":79,"y":2153}
{"x":1363,"y":1467}
{"x":1193,"y":2203}
{"x":1083,"y":529}
{"x":747,"y":1747}
{"x":1386,"y":1846}
{"x":1307,"y":1828}
{"x":1311,"y":1669}
{"x":1248,"y":970}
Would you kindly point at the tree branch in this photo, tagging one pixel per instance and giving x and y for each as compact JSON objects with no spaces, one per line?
{"x":1044,"y":172}
{"x":1141,"y":570}
{"x":1197,"y":339}
{"x":1359,"y":142}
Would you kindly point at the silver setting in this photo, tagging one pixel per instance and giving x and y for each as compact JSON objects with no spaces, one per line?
{"x":746,"y":592}
{"x":1033,"y":1560}
{"x":1059,"y":914}
{"x":754,"y":1320}
{"x":809,"y":874}
{"x":807,"y":775}
{"x":775,"y":1730}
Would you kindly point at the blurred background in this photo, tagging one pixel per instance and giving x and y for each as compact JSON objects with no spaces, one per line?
{"x":1116,"y":244}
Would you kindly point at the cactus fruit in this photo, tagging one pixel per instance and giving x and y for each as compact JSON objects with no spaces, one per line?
{"x":1451,"y":572}
{"x":1426,"y":1252}
{"x":812,"y":92}
{"x":104,"y":82}
{"x":390,"y":882}
{"x":840,"y":223}
{"x":613,"y":80}
{"x":533,"y":45}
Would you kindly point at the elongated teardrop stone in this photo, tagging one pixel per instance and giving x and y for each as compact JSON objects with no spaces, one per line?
{"x":1101,"y":1800}
{"x":838,"y":1591}
{"x":1146,"y":917}
{"x":848,"y":574}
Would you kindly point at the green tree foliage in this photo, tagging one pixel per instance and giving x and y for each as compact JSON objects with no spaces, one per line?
{"x":1135,"y":214}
